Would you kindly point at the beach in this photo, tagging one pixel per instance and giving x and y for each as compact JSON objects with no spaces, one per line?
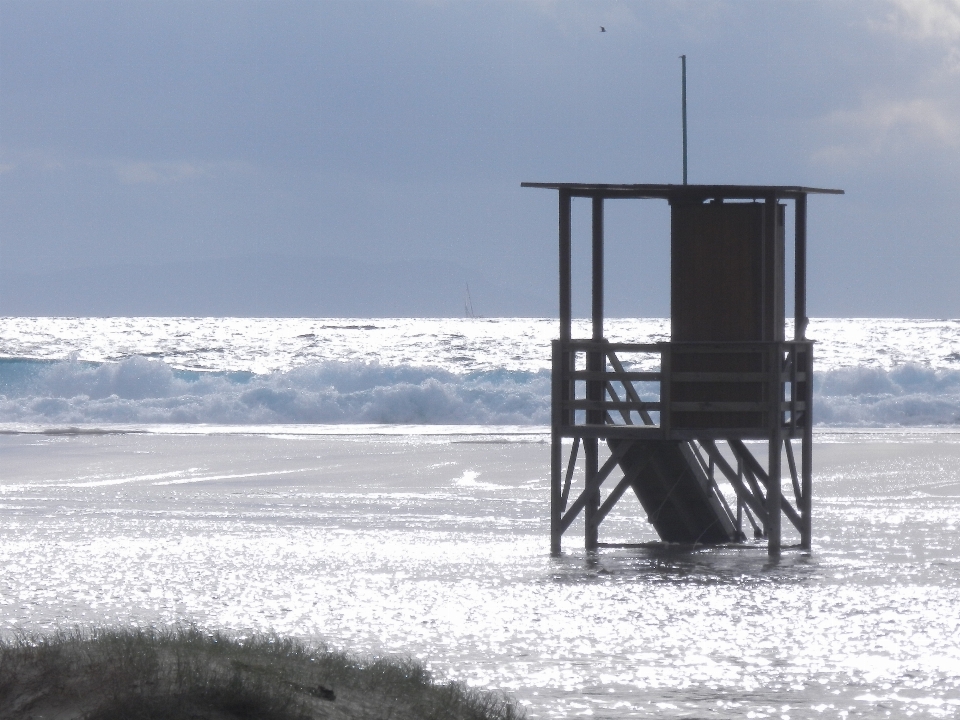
{"x":432,"y":542}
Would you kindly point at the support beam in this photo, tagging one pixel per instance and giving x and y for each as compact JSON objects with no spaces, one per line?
{"x":794,"y":478}
{"x":628,"y":480}
{"x":628,"y":386}
{"x":560,"y":369}
{"x":755,"y":502}
{"x":599,"y":476}
{"x":806,"y":461}
{"x":566,"y":305}
{"x":800,"y":268}
{"x":557,"y":501}
{"x":800,"y":333}
{"x":571,"y":468}
{"x":774,"y":495}
{"x":597,"y":264}
{"x":755,"y":472}
{"x":595,"y":390}
{"x":805,"y":388}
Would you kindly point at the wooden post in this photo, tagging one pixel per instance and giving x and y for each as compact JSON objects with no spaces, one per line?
{"x":773,"y":466}
{"x":806,"y":460}
{"x":566,"y":311}
{"x":800,"y":333}
{"x":560,"y":373}
{"x":770,"y":222}
{"x":595,"y":363}
{"x":800,"y":268}
{"x":597,"y":305}
{"x":556,"y":448}
{"x":666,"y":369}
{"x":740,"y":534}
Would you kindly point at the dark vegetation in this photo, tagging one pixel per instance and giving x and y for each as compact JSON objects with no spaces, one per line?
{"x":184,"y":673}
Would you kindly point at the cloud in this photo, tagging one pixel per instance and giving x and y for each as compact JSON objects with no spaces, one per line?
{"x":140,"y":172}
{"x":882,"y":125}
{"x":926,"y":19}
{"x":914,"y":105}
{"x":123,"y":171}
{"x":934,"y":23}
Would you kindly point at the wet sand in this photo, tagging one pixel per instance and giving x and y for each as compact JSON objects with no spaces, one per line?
{"x":436,"y":546}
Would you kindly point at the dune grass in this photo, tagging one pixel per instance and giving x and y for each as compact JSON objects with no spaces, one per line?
{"x":185,"y":673}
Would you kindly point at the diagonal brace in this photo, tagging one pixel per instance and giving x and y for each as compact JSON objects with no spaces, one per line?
{"x":602,"y":474}
{"x":753,"y":464}
{"x":743,"y":493}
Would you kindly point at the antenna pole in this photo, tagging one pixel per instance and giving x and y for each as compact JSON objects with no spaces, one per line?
{"x":683,"y":65}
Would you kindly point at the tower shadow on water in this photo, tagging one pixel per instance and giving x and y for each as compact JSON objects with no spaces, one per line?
{"x":728,"y":376}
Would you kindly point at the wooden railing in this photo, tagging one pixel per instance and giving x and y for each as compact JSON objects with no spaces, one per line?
{"x":715,"y":389}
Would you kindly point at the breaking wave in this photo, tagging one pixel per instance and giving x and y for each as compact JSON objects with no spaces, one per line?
{"x":145,"y":390}
{"x":141,"y":390}
{"x":906,"y":395}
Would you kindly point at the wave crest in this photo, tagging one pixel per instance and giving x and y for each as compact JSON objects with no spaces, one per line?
{"x":906,"y":395}
{"x":142,"y":390}
{"x":145,"y":390}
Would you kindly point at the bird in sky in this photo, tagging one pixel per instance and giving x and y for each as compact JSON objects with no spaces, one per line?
{"x":602,"y":29}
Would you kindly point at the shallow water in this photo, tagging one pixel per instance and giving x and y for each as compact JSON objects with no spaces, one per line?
{"x":435,"y":545}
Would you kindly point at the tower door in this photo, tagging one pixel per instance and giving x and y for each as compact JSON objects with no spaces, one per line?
{"x":727,"y":285}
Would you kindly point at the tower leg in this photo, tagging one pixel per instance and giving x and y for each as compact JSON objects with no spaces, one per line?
{"x":806,"y":504}
{"x":556,"y":472}
{"x":591,"y":530}
{"x":556,"y":449}
{"x":773,"y":497}
{"x":806,"y":459}
{"x":775,"y":448}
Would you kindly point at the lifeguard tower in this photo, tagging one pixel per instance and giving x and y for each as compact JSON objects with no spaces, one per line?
{"x":727,"y":377}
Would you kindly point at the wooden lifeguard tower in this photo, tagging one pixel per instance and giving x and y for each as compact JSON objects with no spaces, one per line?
{"x":727,"y":375}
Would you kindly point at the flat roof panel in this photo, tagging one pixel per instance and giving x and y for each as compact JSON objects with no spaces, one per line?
{"x":670,"y":192}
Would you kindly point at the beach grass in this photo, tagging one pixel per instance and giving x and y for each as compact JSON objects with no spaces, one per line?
{"x":186,"y":673}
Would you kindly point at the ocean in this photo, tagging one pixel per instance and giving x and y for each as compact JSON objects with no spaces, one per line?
{"x":243,"y":371}
{"x":381,"y":485}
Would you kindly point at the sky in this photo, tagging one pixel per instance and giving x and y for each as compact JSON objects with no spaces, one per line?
{"x":365,"y":157}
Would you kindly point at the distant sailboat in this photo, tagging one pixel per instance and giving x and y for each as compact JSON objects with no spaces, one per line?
{"x":468,"y":304}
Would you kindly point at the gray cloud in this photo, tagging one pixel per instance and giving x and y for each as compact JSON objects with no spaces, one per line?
{"x":159,"y":134}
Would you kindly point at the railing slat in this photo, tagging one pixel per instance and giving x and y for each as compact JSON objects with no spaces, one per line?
{"x":788,"y":372}
{"x":613,"y":376}
{"x":610,"y":405}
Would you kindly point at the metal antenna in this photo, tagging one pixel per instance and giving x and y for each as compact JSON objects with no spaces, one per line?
{"x":683,"y":65}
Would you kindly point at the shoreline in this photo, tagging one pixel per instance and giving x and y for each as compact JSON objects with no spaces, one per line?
{"x":390,"y":430}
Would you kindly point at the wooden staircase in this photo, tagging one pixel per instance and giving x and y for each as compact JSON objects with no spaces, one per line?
{"x":681,"y":501}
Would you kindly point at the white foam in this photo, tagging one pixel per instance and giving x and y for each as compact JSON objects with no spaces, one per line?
{"x":143,"y":391}
{"x":220,"y":372}
{"x":907,"y":395}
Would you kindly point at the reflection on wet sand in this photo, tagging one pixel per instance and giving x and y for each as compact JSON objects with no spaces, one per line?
{"x":436,"y":548}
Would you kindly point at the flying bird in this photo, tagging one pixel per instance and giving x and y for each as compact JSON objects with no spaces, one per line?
{"x":602,"y":29}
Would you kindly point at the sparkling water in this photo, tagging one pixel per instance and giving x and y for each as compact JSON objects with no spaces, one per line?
{"x":69,"y":371}
{"x":238,"y":474}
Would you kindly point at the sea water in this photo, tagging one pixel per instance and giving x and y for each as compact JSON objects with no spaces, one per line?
{"x":451,"y":371}
{"x":158,"y":471}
